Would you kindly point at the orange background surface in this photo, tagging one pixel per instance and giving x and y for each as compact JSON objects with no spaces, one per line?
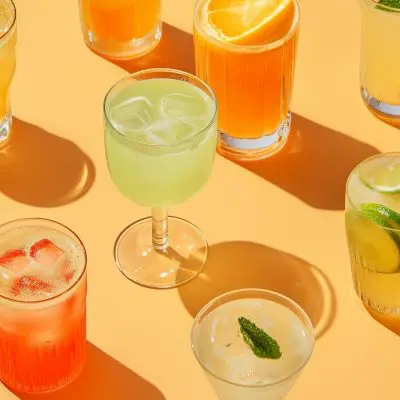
{"x":276,"y":224}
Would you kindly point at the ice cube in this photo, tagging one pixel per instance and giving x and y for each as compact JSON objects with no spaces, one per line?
{"x":7,"y":277}
{"x":133,"y":115}
{"x":169,"y":131}
{"x":182,"y":105}
{"x":15,"y":261}
{"x":46,"y":253}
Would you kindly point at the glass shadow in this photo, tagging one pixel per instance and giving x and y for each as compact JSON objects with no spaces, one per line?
{"x":41,"y":169}
{"x":241,"y":265}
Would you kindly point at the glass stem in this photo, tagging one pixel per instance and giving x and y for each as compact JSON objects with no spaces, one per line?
{"x":159,"y":228}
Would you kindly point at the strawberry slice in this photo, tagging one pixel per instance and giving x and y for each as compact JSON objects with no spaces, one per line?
{"x":68,"y":276}
{"x":30,"y":283}
{"x":15,"y":260}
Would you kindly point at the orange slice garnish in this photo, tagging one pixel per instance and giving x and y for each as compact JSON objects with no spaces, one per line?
{"x":251,"y":22}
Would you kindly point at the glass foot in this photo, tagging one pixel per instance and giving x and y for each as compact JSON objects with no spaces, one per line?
{"x":181,"y":261}
{"x":255,"y":149}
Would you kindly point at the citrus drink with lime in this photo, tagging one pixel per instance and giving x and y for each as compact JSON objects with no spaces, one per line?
{"x":245,"y":50}
{"x":160,"y":143}
{"x":373,"y":235}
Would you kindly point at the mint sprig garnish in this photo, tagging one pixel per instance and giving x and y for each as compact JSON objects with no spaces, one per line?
{"x":262,"y":345}
{"x":388,"y":3}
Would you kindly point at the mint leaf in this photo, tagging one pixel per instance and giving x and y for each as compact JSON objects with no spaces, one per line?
{"x":388,"y":3}
{"x":262,"y":345}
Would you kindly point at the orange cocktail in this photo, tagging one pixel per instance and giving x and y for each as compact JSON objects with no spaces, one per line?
{"x":121,"y":29}
{"x":245,"y":50}
{"x":42,"y":305}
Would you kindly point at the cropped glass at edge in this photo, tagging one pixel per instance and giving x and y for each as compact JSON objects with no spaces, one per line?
{"x":380,"y":60}
{"x":227,"y":390}
{"x":373,"y":248}
{"x":8,"y":40}
{"x":253,"y":86}
{"x":121,"y":29}
{"x":43,"y":343}
{"x":160,"y":251}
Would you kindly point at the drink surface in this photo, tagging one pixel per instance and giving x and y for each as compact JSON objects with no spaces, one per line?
{"x":253,"y":85}
{"x":373,"y":232}
{"x":160,"y":140}
{"x":222,"y":350}
{"x":42,"y":308}
{"x":8,"y":38}
{"x":38,"y":263}
{"x":380,"y":60}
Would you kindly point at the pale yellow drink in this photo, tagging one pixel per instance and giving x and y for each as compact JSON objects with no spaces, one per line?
{"x":380,"y":56}
{"x":8,"y":39}
{"x":231,"y":367}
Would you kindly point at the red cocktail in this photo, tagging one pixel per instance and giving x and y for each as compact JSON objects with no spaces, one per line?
{"x":42,"y":305}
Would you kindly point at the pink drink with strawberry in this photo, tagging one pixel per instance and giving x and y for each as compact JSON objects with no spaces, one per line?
{"x":42,"y":305}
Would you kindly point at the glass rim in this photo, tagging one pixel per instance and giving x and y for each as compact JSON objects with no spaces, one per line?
{"x":69,"y":288}
{"x":162,"y":71}
{"x":13,"y":23}
{"x":247,"y":48}
{"x":273,"y":294}
{"x":382,"y":7}
{"x":354,"y":172}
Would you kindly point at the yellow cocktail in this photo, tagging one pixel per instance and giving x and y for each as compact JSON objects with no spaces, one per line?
{"x":373,"y":236}
{"x":8,"y":39}
{"x":380,"y":57}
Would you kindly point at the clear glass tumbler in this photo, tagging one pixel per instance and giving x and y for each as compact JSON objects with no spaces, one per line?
{"x":42,"y":305}
{"x":252,"y":82}
{"x":373,"y":235}
{"x":8,"y":41}
{"x":230,"y":365}
{"x":380,"y":58}
{"x":121,"y":29}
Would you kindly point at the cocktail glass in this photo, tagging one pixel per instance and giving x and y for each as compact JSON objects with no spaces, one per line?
{"x":230,"y":365}
{"x":252,"y":82}
{"x":380,"y":58}
{"x":8,"y":41}
{"x":42,"y":305}
{"x":121,"y":29}
{"x":373,"y":235}
{"x":160,"y":140}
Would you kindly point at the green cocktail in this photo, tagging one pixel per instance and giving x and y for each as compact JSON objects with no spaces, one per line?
{"x":160,"y":139}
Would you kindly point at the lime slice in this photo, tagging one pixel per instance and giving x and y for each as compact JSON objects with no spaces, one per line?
{"x":388,"y":3}
{"x":374,"y":245}
{"x":392,"y":217}
{"x":382,"y":174}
